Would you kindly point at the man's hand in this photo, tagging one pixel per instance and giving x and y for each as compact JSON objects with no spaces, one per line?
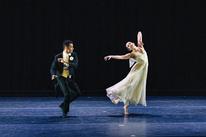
{"x":63,"y":62}
{"x":60,"y":60}
{"x":53,"y":77}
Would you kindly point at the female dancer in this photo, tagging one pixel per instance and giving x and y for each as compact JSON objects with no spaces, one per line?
{"x":132,"y":89}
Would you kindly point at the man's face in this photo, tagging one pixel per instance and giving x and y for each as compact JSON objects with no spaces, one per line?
{"x":70,"y":48}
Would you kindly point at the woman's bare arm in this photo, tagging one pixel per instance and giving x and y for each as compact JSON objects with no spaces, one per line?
{"x":140,"y":43}
{"x":118,"y":57}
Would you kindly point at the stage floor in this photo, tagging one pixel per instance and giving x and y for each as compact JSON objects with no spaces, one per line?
{"x":97,"y":117}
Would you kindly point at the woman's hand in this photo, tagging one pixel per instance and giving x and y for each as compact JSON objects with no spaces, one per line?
{"x":139,"y":37}
{"x":107,"y":58}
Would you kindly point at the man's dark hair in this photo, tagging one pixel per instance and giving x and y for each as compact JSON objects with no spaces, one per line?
{"x":66,"y":43}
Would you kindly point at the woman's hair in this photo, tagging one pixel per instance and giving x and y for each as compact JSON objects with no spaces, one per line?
{"x":127,"y":44}
{"x":131,"y":43}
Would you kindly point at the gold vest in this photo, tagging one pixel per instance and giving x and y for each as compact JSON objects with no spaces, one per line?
{"x":65,"y":73}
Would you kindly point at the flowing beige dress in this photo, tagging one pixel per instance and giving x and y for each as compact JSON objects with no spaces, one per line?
{"x":132,"y":89}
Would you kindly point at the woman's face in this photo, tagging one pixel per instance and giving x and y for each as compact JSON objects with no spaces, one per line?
{"x":130,"y":46}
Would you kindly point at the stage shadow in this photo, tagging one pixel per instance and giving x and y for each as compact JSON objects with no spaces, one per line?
{"x":38,"y":119}
{"x":75,"y":119}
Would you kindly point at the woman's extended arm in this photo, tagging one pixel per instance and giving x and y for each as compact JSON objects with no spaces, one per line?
{"x":118,"y":57}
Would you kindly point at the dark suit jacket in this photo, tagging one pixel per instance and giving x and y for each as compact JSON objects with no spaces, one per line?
{"x":57,"y":67}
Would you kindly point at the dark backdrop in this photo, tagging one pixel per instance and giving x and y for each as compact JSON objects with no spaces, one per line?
{"x":174,"y":34}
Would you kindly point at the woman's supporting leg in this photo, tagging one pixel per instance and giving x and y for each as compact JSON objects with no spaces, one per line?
{"x":126,"y":106}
